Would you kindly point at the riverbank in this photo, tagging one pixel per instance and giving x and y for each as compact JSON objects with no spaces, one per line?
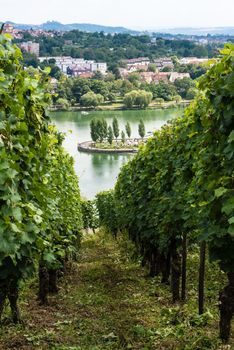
{"x":88,"y":147}
{"x":121,"y":107}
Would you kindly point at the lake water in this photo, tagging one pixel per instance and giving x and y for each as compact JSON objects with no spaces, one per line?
{"x":98,"y":172}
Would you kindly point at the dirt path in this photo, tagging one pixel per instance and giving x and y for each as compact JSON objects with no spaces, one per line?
{"x":106,"y":302}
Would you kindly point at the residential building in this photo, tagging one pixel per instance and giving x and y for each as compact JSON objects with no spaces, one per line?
{"x":162,"y":76}
{"x":193,"y":60}
{"x":77,"y":66}
{"x":175,"y":75}
{"x":98,"y":67}
{"x":76,"y":71}
{"x":9,"y":29}
{"x":31,"y":47}
{"x":164,"y":62}
{"x":140,"y":61}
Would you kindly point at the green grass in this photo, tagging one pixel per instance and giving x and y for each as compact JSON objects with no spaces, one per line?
{"x":107,"y":302}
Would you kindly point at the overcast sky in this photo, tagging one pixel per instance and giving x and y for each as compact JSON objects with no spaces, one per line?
{"x":128,"y":13}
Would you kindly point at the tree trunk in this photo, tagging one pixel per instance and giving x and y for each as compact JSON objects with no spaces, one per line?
{"x":145,"y":257}
{"x":13,"y":294}
{"x":3,"y":295}
{"x":53,"y":273}
{"x":175,"y":274}
{"x":152,"y":265}
{"x":166,"y":266}
{"x":43,"y":284}
{"x":184,"y":267}
{"x":226,"y":308}
{"x":9,"y":290}
{"x":202,"y":277}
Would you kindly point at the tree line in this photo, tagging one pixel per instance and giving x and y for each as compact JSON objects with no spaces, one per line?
{"x":100,"y":131}
{"x":134,"y":93}
{"x":114,"y":48}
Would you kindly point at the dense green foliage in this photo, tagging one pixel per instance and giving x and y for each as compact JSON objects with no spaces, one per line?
{"x":90,"y":99}
{"x":107,"y":211}
{"x":139,"y":98}
{"x":110,"y":135}
{"x":141,"y":129}
{"x":98,"y":129}
{"x":40,"y":217}
{"x":115,"y":126}
{"x":182,"y":183}
{"x":139,"y":94}
{"x":128,"y":129}
{"x":89,"y":214}
{"x":113,"y":48}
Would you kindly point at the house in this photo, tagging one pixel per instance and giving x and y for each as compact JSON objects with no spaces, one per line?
{"x":137,"y":67}
{"x":147,"y":77}
{"x":65,"y":62}
{"x":164,"y":62}
{"x":9,"y":29}
{"x":161,"y":76}
{"x":98,"y":67}
{"x":193,"y":60}
{"x":123,"y":72}
{"x":140,"y":61}
{"x":175,"y":75}
{"x":77,"y":71}
{"x":30,"y":47}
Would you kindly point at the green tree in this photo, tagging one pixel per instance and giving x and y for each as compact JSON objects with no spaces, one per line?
{"x":138,"y":98}
{"x":128,"y":129}
{"x":130,"y":98}
{"x":183,"y":85}
{"x":123,"y":137}
{"x":30,"y":59}
{"x":152,"y":67}
{"x":110,"y":135}
{"x":94,"y":130}
{"x":89,"y":214}
{"x":141,"y":129}
{"x":115,"y":126}
{"x":104,"y":128}
{"x":143,"y":98}
{"x":63,"y":103}
{"x":90,"y":99}
{"x":191,"y":94}
{"x":80,"y":87}
{"x":100,"y":130}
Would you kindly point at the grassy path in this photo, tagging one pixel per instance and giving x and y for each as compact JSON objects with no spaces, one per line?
{"x":107,"y":302}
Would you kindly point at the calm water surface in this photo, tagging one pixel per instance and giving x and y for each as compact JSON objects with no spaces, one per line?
{"x":98,"y":172}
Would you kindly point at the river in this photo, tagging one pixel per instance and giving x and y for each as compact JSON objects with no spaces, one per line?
{"x":98,"y":172}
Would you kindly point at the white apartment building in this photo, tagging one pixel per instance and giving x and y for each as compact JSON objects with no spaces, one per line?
{"x":98,"y":67}
{"x":65,"y":62}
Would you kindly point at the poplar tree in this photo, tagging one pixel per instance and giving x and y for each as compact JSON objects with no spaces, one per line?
{"x":141,"y":129}
{"x":115,"y":125}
